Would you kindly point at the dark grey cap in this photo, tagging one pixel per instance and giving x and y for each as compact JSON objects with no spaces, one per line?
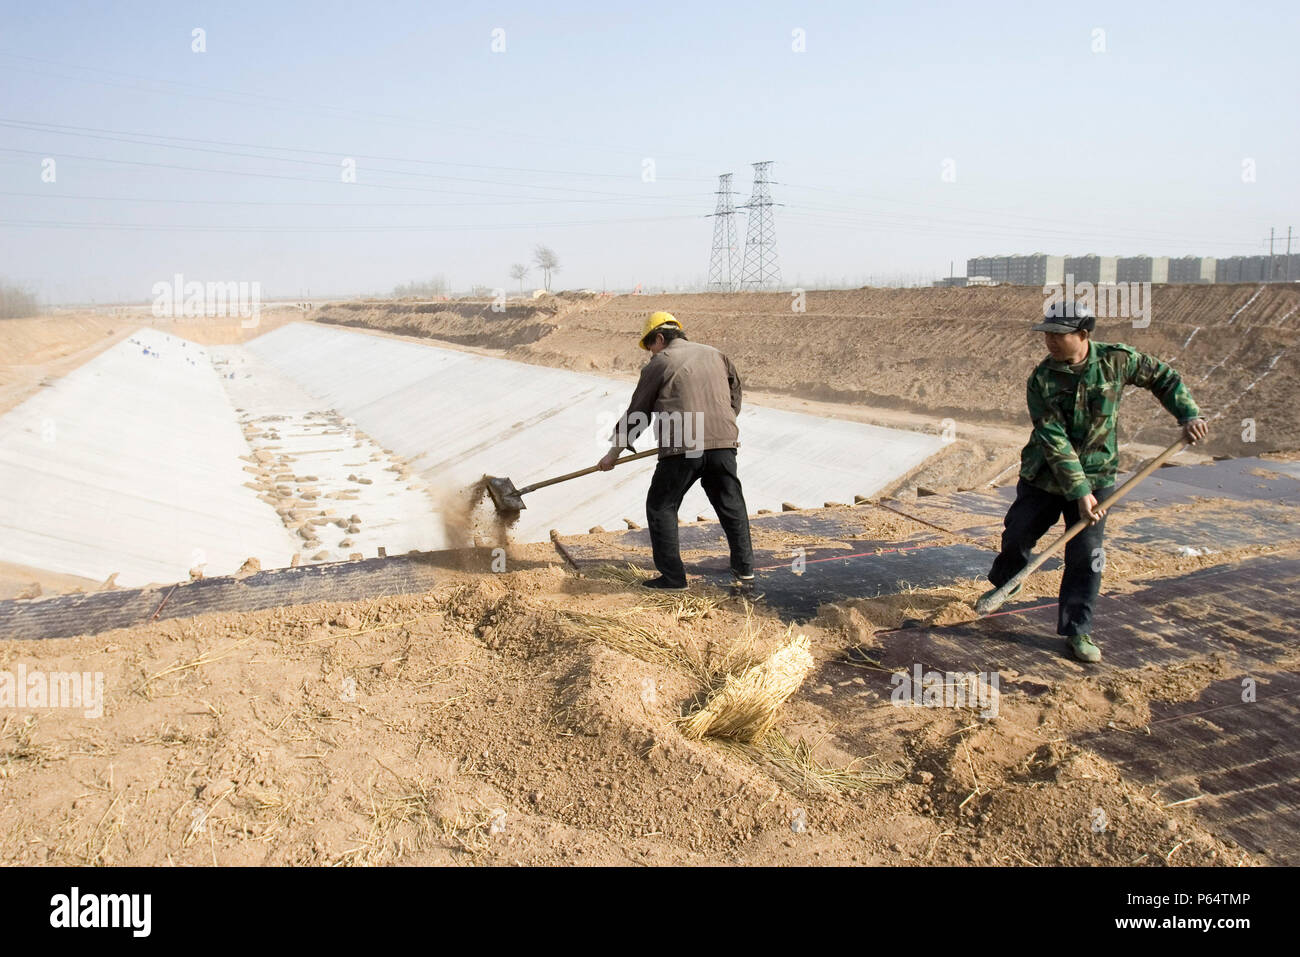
{"x":1066,"y":317}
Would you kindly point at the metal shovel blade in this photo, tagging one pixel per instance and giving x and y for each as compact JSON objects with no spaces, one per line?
{"x":504,"y":494}
{"x":991,"y":602}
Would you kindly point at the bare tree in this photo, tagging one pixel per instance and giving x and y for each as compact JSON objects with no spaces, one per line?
{"x":432,"y":288}
{"x":547,"y":262}
{"x":16,"y":302}
{"x":519,"y":271}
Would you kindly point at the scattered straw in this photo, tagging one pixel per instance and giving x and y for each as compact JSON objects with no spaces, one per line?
{"x":628,"y":574}
{"x":25,"y":749}
{"x":796,"y":763}
{"x":418,"y":815}
{"x":683,"y":606}
{"x":390,"y":810}
{"x":745,"y":707}
{"x":641,"y":641}
{"x":204,"y":659}
{"x":686,"y":606}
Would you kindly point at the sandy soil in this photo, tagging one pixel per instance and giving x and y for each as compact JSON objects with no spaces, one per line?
{"x":19,"y":581}
{"x":532,"y":717}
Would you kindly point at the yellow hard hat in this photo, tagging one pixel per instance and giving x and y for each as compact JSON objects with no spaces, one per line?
{"x":656,"y":320}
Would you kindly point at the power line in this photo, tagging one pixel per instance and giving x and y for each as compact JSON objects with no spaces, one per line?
{"x":523,"y":201}
{"x":334,"y":165}
{"x":270,"y":101}
{"x":1002,"y":215}
{"x":279,"y":176}
{"x":836,"y":217}
{"x":169,"y":227}
{"x":143,"y":139}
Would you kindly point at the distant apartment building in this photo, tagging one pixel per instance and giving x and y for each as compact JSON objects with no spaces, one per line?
{"x":1036,"y":270}
{"x":1093,"y":269}
{"x":1043,"y":270}
{"x":1264,"y":268}
{"x":1238,"y":269}
{"x":1192,"y":269}
{"x":1142,"y":269}
{"x":989,"y":267}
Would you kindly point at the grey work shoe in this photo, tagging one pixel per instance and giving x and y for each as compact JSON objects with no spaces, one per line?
{"x":1083,"y":649}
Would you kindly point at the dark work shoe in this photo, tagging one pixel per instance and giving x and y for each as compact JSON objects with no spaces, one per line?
{"x":1082,"y":647}
{"x":743,"y":578}
{"x":663,"y":584}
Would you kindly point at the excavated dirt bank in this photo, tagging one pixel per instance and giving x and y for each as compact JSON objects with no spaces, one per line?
{"x":932,"y":354}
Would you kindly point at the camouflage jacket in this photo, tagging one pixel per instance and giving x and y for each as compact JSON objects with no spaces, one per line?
{"x":1072,"y":449}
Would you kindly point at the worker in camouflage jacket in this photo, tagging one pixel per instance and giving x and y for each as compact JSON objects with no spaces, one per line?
{"x":1069,"y":465}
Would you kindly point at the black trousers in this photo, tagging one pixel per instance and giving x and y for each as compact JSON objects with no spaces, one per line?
{"x":716,"y":471}
{"x":1031,"y":515}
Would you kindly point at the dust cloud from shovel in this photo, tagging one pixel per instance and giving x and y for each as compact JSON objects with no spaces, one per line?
{"x":471,"y":520}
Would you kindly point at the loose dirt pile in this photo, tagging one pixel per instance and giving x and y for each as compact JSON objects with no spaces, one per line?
{"x":464,"y":322}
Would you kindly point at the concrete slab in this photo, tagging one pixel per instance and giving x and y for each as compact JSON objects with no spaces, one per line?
{"x":979,"y":514}
{"x":131,"y":464}
{"x":829,"y":575}
{"x":1147,"y":627}
{"x":456,"y":416}
{"x":634,"y":546}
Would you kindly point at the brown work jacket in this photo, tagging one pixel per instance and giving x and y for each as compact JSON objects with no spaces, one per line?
{"x":694,"y":392}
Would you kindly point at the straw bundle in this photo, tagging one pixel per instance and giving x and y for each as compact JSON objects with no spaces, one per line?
{"x":745,"y":707}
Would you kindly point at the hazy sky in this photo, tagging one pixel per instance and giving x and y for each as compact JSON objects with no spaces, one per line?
{"x":228,"y":164}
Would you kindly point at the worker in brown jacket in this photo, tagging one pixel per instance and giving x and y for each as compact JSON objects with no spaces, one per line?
{"x":694,"y":392}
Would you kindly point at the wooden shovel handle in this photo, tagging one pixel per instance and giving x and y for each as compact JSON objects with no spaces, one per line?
{"x":587,"y":471}
{"x":1000,"y":595}
{"x":1105,"y":507}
